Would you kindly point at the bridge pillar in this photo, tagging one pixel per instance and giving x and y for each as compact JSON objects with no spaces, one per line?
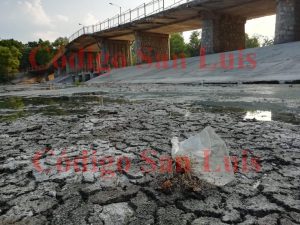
{"x":221,"y":33}
{"x":115,"y":53}
{"x":71,"y":60}
{"x":151,"y":47}
{"x":287,"y":21}
{"x":81,"y":61}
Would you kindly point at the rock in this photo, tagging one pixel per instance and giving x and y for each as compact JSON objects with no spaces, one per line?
{"x":12,"y":165}
{"x":33,"y":220}
{"x":88,"y":177}
{"x":289,"y":201}
{"x":17,"y":190}
{"x":113,"y":196}
{"x":211,"y":206}
{"x":95,"y":120}
{"x":269,"y":219}
{"x":94,"y":216}
{"x":73,"y":211}
{"x":33,"y":128}
{"x":121,"y":146}
{"x":134,"y":173}
{"x":260,"y":205}
{"x":249,"y":220}
{"x":231,"y":216}
{"x":207,"y":221}
{"x":144,"y":208}
{"x":286,"y":221}
{"x":15,"y":214}
{"x":295,"y":216}
{"x":117,"y":214}
{"x":171,"y":215}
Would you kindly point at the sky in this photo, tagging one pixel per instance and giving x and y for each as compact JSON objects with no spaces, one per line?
{"x":29,"y":20}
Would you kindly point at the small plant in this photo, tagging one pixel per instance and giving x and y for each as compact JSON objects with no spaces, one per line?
{"x":77,"y":83}
{"x":167,"y":186}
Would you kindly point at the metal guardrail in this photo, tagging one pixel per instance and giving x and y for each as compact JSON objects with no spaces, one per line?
{"x":142,"y":11}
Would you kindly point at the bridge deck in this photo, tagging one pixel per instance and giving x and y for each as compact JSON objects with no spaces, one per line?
{"x":184,"y":17}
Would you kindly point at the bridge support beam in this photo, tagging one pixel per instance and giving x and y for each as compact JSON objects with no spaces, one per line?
{"x":115,"y":53}
{"x":287,"y":21}
{"x":151,"y":47}
{"x":222,"y":33}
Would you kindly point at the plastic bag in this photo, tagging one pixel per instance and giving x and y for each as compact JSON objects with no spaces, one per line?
{"x":208,"y":157}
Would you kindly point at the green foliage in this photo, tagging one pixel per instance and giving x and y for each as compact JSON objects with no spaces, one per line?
{"x":180,"y":49}
{"x":24,"y":62}
{"x":258,"y":41}
{"x":13,"y":43}
{"x":45,"y":50}
{"x":193,"y":47}
{"x":60,"y":42}
{"x":44,"y":55}
{"x":12,"y":103}
{"x":266,"y":41}
{"x":177,"y":45}
{"x":9,"y":62}
{"x":77,"y":83}
{"x":252,"y":42}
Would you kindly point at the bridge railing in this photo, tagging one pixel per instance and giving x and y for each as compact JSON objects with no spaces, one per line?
{"x":142,"y":11}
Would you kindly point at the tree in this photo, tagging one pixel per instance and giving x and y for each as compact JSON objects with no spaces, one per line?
{"x":267,"y":41}
{"x":60,"y":42}
{"x":42,"y":43}
{"x":34,"y":53}
{"x":28,"y":48}
{"x":177,"y":45}
{"x":13,"y":43}
{"x":43,"y":52}
{"x":252,"y":42}
{"x":9,"y":62}
{"x":193,"y":47}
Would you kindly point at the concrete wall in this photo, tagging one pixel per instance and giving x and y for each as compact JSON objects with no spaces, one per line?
{"x":287,"y":21}
{"x":151,"y":47}
{"x":221,"y":33}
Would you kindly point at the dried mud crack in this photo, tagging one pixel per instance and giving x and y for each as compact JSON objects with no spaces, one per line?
{"x":113,"y":130}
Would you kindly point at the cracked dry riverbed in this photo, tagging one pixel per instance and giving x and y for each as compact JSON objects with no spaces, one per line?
{"x":58,"y":129}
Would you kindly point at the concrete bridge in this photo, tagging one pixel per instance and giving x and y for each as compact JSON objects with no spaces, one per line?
{"x":149,"y":27}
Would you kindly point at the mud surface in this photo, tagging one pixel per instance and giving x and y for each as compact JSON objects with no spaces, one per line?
{"x":47,"y":133}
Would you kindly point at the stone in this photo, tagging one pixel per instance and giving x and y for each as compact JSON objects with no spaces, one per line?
{"x":288,"y":201}
{"x":88,"y":177}
{"x":286,"y":221}
{"x":117,"y":214}
{"x":231,"y":216}
{"x":260,"y":204}
{"x":113,"y":196}
{"x":211,"y":206}
{"x":249,"y":220}
{"x":269,"y":219}
{"x":66,"y":214}
{"x":94,"y":216}
{"x":170,"y":215}
{"x":295,"y":216}
{"x":207,"y":221}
